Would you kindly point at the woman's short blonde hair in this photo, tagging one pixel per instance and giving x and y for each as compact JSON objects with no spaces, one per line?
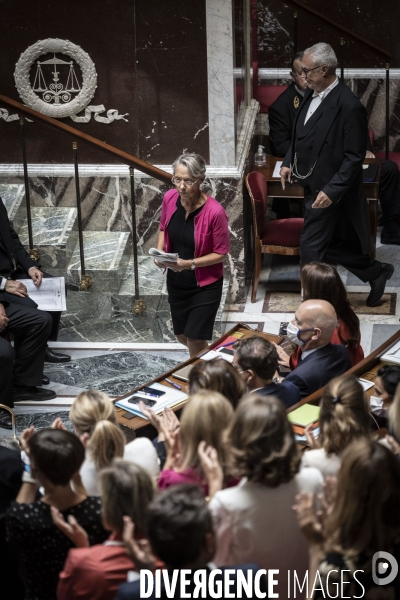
{"x":206,"y":417}
{"x":262,"y":441}
{"x":93,"y":412}
{"x":126,"y":489}
{"x":344,"y":414}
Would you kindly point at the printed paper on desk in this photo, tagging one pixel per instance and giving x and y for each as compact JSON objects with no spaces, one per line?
{"x":217,"y":354}
{"x":366,"y":384}
{"x":278,"y":165}
{"x":170,"y":398}
{"x":50,"y":295}
{"x":392,"y":355}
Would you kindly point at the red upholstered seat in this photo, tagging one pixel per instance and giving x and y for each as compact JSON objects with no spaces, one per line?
{"x":259,"y":192}
{"x":281,"y":236}
{"x":265,"y":94}
{"x":283,"y":232}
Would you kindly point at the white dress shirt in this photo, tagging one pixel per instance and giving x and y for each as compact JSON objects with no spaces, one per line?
{"x":317,"y":98}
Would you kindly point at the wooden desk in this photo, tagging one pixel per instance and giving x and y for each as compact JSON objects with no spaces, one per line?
{"x":366,"y":369}
{"x":294,"y":190}
{"x":138,"y":423}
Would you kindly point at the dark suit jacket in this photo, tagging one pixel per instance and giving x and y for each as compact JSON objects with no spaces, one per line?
{"x":319,"y":367}
{"x":281,"y":115}
{"x":287,"y":392}
{"x":12,"y":253}
{"x":131,"y":591}
{"x":340,"y":145}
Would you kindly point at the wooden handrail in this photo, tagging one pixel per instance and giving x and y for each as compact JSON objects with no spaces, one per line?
{"x":346,"y":30}
{"x":124,"y":157}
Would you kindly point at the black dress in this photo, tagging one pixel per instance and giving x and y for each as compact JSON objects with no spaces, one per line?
{"x":193,"y":308}
{"x":42,"y":547}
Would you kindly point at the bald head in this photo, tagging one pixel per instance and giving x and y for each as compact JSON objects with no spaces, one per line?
{"x":319,"y":314}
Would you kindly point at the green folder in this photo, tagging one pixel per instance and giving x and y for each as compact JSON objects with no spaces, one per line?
{"x":303,"y":416}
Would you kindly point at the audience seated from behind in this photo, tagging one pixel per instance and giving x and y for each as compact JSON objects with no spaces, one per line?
{"x":94,"y":573}
{"x":11,"y":469}
{"x":312,"y":329}
{"x":363,"y":519}
{"x":205,"y":418}
{"x":180,"y":532}
{"x":95,"y":422}
{"x":344,"y":418}
{"x":320,"y":281}
{"x":256,"y":360}
{"x":386,"y":382}
{"x":55,"y":459}
{"x":254,"y":520}
{"x":217,"y":375}
{"x":393,"y":438}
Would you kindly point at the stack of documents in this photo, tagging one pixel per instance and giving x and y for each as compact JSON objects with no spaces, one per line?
{"x":392,"y":355}
{"x":50,"y":295}
{"x":170,"y":398}
{"x":163,"y":257}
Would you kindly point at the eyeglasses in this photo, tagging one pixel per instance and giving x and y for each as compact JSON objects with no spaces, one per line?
{"x":188,"y":182}
{"x":306,"y":71}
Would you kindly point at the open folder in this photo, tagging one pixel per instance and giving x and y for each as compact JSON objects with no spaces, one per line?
{"x":170,"y":398}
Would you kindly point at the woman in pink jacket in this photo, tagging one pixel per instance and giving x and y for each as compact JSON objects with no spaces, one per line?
{"x":195,"y":226}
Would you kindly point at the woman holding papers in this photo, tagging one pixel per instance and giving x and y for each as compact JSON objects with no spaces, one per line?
{"x":195,"y":226}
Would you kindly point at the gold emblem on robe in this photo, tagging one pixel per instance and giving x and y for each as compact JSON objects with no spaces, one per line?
{"x":296,"y":102}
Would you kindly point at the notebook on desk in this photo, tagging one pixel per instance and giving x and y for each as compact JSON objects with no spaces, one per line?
{"x":305,"y":415}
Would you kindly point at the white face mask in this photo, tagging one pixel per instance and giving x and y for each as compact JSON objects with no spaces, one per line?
{"x":376,"y":405}
{"x":293,"y":333}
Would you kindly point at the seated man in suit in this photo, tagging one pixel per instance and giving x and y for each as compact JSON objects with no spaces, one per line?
{"x":180,"y":533}
{"x":256,"y":359}
{"x":21,"y":367}
{"x":312,"y":329}
{"x":281,"y":116}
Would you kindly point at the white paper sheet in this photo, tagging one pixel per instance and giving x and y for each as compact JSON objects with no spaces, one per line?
{"x":163,"y":257}
{"x":392,"y":355}
{"x":366,"y":384}
{"x":278,"y":165}
{"x":217,"y":354}
{"x":50,"y":295}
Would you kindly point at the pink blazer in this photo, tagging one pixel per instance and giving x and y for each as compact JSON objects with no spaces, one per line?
{"x":211,"y":234}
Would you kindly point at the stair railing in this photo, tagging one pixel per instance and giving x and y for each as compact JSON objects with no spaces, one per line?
{"x":124,"y":157}
{"x":387,"y":56}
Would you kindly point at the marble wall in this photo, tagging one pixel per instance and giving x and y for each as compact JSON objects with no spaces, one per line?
{"x":377,"y":22}
{"x":372,"y":21}
{"x":151,"y":62}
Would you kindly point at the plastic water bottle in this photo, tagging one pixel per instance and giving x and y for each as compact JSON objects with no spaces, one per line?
{"x":260,"y":158}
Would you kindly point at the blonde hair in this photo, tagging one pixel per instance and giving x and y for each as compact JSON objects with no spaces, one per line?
{"x":344,"y":414}
{"x":126,"y":489}
{"x":206,"y":417}
{"x":94,"y":413}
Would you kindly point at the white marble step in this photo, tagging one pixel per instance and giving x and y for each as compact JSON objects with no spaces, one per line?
{"x":55,"y":234}
{"x":13,"y":196}
{"x":107,"y":255}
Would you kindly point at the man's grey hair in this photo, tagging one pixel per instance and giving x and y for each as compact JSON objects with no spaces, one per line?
{"x":196,"y":165}
{"x":323,"y":54}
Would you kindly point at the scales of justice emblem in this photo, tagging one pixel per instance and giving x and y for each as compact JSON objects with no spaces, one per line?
{"x":57,"y":98}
